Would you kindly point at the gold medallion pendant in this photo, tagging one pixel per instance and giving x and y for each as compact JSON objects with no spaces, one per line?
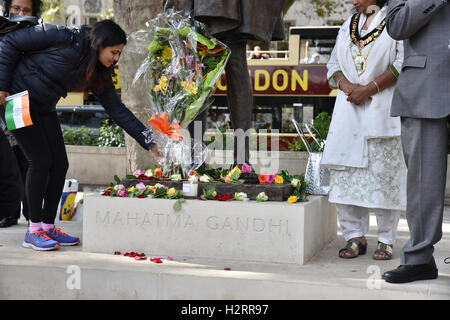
{"x":361,"y":42}
{"x":360,"y":64}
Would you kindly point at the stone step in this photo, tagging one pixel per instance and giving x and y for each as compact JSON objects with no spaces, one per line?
{"x":71,"y":273}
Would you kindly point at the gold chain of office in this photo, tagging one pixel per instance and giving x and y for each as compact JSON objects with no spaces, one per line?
{"x":362,"y":42}
{"x":361,"y":61}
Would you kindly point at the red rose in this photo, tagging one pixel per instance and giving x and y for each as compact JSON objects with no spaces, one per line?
{"x":224,"y":197}
{"x":158,"y":172}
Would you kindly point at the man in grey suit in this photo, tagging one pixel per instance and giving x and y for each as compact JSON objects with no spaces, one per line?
{"x":422,"y":100}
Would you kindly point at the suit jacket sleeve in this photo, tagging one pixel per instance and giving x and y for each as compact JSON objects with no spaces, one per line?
{"x":406,"y":17}
{"x":124,"y":117}
{"x":15,"y":43}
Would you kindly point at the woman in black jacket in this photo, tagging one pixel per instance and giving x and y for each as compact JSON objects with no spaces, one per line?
{"x":49,"y":61}
{"x":20,"y":13}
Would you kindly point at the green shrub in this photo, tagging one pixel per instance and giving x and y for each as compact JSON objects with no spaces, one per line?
{"x":78,"y":137}
{"x":111,"y":136}
{"x":295,"y":145}
{"x":322,"y":124}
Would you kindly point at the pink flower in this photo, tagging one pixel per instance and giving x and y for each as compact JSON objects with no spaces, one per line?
{"x":122,"y":193}
{"x":246,"y":168}
{"x":141,"y":187}
{"x":270,"y":178}
{"x":137,"y":173}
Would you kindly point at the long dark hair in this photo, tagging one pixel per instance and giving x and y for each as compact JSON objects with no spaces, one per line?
{"x":37,"y":7}
{"x":105,"y":33}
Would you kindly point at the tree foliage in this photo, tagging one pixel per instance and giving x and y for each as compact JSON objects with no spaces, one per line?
{"x":321,"y":8}
{"x":50,"y":9}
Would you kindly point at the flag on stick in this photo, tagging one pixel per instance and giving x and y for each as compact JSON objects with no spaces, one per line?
{"x":17,"y":114}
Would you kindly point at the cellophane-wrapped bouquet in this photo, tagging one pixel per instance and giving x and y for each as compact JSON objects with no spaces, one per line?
{"x":179,"y":73}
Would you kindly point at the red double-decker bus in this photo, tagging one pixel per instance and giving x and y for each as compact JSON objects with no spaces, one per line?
{"x":290,"y":83}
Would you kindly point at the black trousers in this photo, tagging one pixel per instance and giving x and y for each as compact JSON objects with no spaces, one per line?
{"x":43,"y":146}
{"x":11,"y":187}
{"x":23,"y":166}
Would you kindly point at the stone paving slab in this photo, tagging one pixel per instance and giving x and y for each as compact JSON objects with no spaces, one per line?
{"x":27,"y":274}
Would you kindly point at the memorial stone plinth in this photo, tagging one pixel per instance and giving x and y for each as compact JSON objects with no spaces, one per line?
{"x":251,"y":231}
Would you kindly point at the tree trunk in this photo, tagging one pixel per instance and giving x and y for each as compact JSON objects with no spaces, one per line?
{"x":131,"y":16}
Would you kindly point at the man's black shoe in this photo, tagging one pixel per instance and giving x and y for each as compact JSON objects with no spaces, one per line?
{"x":12,"y":221}
{"x":7,"y":222}
{"x":413,"y":272}
{"x":4,"y":223}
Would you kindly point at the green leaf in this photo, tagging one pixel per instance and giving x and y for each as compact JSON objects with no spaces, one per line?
{"x":235,"y":175}
{"x":160,"y":193}
{"x":117,"y":179}
{"x":208,"y":193}
{"x":177,"y":204}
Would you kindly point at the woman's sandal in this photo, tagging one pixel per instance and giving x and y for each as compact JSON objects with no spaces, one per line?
{"x":383,"y":251}
{"x":355,"y":247}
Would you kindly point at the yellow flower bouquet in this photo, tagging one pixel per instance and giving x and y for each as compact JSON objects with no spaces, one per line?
{"x":182,"y":65}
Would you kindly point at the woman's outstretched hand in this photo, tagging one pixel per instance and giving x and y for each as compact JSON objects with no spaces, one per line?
{"x":155,"y":152}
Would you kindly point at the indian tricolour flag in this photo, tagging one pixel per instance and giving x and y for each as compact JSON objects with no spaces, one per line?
{"x":17,"y":114}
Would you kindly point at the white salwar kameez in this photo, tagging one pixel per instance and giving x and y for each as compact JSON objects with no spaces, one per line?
{"x":363,"y":149}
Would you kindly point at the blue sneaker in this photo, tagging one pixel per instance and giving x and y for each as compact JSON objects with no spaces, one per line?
{"x":39,"y":241}
{"x":62,"y":238}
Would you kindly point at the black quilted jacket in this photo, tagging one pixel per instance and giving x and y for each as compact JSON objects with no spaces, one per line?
{"x":49,"y":75}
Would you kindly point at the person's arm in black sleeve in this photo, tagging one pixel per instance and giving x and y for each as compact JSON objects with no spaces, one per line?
{"x":124,"y":117}
{"x":17,"y":42}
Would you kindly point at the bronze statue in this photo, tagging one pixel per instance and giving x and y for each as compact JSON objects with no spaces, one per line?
{"x":234,"y":22}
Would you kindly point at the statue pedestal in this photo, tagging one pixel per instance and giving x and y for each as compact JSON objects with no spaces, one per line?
{"x":276,"y":232}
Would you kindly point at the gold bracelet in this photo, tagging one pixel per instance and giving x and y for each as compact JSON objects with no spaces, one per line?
{"x":376,"y":84}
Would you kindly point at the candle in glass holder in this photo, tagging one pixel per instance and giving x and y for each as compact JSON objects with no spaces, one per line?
{"x":190,"y":189}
